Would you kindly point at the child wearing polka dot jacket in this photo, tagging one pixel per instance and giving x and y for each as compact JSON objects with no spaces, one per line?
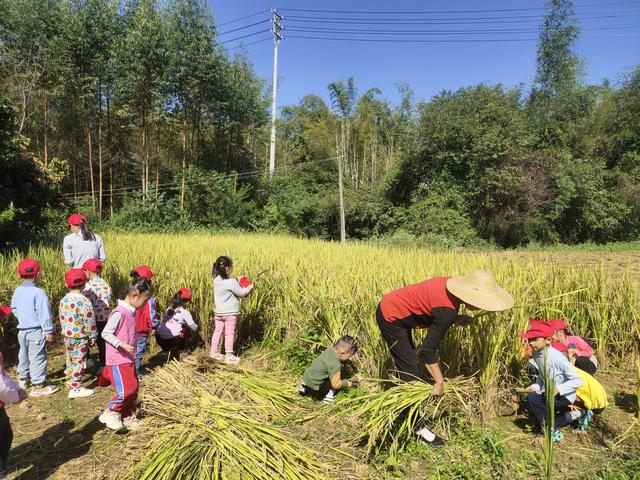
{"x":79,"y":330}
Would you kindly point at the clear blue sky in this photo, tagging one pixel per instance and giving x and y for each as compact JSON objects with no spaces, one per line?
{"x":307,"y":66}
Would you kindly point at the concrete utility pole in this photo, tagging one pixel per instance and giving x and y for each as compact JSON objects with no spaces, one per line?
{"x":276,"y":20}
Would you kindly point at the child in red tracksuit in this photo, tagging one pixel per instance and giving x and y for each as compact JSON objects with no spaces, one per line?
{"x":146,"y":317}
{"x":120,"y":337}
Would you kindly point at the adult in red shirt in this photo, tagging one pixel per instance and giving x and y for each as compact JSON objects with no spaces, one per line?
{"x":433,"y":304}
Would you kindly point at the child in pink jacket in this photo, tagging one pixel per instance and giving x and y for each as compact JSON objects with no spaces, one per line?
{"x":578,"y":347}
{"x":10,"y":392}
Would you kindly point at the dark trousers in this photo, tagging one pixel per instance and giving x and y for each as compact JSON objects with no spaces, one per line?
{"x":586,"y":365}
{"x":102,"y":349}
{"x":319,"y":394}
{"x":167,"y":344}
{"x":6,"y":438}
{"x":560,"y":406}
{"x":400,"y":341}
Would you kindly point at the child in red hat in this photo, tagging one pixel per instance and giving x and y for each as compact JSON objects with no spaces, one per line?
{"x":98,"y":291}
{"x":146,"y":316}
{"x":552,"y":365}
{"x":171,"y":334}
{"x":78,"y":327}
{"x":578,"y":348}
{"x":10,"y":392}
{"x":30,"y":305}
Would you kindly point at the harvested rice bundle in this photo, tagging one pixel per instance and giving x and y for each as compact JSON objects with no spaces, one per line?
{"x":195,"y":434}
{"x":390,"y":417}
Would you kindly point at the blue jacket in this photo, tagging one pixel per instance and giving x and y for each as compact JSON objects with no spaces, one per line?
{"x":31,"y":307}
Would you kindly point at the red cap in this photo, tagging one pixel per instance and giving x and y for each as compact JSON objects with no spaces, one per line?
{"x":5,"y":311}
{"x":75,"y":277}
{"x":244,"y":281}
{"x":185,"y":293}
{"x":28,"y":268}
{"x":93,"y":265}
{"x":76,"y":219}
{"x":557,"y":324}
{"x":539,"y":330}
{"x":561,"y":347}
{"x":144,"y":271}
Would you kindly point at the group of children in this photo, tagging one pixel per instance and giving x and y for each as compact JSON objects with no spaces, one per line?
{"x":567,"y":364}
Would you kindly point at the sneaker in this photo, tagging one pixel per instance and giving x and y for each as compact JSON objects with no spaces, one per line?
{"x":429,"y":437}
{"x":329,"y":397}
{"x":218,"y":357}
{"x":302,"y":388}
{"x":24,"y":383}
{"x":40,"y":391}
{"x":558,"y":436}
{"x":132,"y":422}
{"x":111,"y":419}
{"x":80,"y":392}
{"x":231,"y":359}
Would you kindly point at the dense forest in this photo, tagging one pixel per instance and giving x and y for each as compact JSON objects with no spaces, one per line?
{"x":137,"y":115}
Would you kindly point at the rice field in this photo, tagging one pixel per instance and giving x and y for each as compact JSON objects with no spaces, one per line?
{"x":311,"y":292}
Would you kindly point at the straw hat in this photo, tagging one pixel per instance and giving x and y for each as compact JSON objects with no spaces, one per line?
{"x":480,"y":290}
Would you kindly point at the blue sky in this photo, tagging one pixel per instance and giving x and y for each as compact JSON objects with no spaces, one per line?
{"x":307,"y":66}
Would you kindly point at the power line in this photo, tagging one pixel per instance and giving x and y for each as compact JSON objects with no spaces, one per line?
{"x":346,"y":31}
{"x":466,"y":40}
{"x":243,"y":18}
{"x":246,"y":26}
{"x":245,"y":36}
{"x":435,"y":12}
{"x":250,"y":43}
{"x":172,"y":185}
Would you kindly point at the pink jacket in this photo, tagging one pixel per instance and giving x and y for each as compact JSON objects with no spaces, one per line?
{"x":582,"y":347}
{"x":120,"y":328}
{"x":8,"y":387}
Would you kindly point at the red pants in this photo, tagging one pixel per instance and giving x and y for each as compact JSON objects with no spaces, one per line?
{"x":125,"y":382}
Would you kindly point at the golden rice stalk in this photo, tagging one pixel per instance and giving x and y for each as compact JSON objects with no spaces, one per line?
{"x":196,"y":434}
{"x":389,"y":417}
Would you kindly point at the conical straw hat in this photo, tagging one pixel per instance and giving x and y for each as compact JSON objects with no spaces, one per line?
{"x":480,"y":290}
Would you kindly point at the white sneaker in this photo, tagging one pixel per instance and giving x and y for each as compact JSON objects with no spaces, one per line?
{"x":80,"y":392}
{"x":231,"y":360}
{"x":330,"y":396}
{"x":43,"y":391}
{"x":132,"y":422}
{"x":111,"y":419}
{"x":218,"y":357}
{"x":24,"y":384}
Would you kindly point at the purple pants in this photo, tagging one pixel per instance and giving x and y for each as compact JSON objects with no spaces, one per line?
{"x":226,"y":324}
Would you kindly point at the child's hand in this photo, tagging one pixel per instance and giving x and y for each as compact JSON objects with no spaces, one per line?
{"x":126,"y":347}
{"x":438,"y":389}
{"x":48,"y":337}
{"x":525,"y":390}
{"x":572,"y":352}
{"x":464,"y":320}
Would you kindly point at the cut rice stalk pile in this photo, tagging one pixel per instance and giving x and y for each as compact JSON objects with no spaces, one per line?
{"x":194,"y":433}
{"x":390,"y":417}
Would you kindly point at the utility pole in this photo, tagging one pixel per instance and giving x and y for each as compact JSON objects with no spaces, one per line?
{"x":276,"y":20}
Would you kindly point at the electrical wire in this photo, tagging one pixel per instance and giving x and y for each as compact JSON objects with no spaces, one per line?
{"x":397,"y":12}
{"x":250,"y":43}
{"x":246,"y":26}
{"x":245,"y":36}
{"x":173,"y":186}
{"x":465,"y":40}
{"x":243,"y":18}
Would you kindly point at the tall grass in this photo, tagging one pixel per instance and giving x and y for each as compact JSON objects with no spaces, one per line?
{"x":334,"y":289}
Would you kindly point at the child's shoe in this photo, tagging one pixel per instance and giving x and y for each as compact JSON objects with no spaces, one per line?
{"x":329,"y":397}
{"x":42,"y":391}
{"x":218,"y":357}
{"x":24,"y":383}
{"x":231,"y":359}
{"x":429,"y":437}
{"x":132,"y":422}
{"x":80,"y":392}
{"x":558,"y":436}
{"x":111,"y":419}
